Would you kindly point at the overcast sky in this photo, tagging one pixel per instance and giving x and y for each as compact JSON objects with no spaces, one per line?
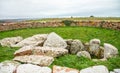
{"x":58,"y":8}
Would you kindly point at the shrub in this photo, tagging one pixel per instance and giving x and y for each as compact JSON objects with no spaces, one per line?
{"x":91,"y":16}
{"x":67,"y":22}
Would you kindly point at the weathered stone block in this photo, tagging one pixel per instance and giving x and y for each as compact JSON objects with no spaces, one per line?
{"x":35,"y":59}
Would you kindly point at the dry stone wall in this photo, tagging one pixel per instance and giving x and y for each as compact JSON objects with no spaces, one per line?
{"x":19,"y":25}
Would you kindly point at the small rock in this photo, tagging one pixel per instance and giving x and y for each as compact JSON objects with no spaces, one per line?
{"x":110,"y":51}
{"x":112,"y":72}
{"x":59,"y":69}
{"x":101,"y":52}
{"x":76,"y":46}
{"x":86,"y":45}
{"x":84,"y":54}
{"x":117,"y":70}
{"x":94,"y":47}
{"x":10,"y":41}
{"x":29,"y":68}
{"x":36,"y":40}
{"x":95,"y":69}
{"x":8,"y":66}
{"x":68,"y":48}
{"x":54,"y":40}
{"x":35,"y":59}
{"x":69,"y":41}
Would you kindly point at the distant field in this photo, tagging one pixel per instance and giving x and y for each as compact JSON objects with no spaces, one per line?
{"x":82,"y":33}
{"x":112,"y":19}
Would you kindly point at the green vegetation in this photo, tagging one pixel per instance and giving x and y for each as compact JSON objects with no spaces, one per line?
{"x":73,"y":61}
{"x":67,"y":22}
{"x":82,"y":33}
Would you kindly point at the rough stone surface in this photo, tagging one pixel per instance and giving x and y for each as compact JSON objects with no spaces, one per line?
{"x":117,"y":70}
{"x":10,"y":41}
{"x":54,"y":40}
{"x":47,"y":51}
{"x":35,"y":59}
{"x":110,"y":51}
{"x":76,"y":46}
{"x":101,"y":52}
{"x":94,"y":47}
{"x":112,"y":72}
{"x":8,"y":66}
{"x":84,"y":54}
{"x":86,"y":46}
{"x":59,"y":69}
{"x":95,"y":69}
{"x":29,"y":68}
{"x":34,"y":40}
{"x":69,"y":42}
{"x":26,"y":50}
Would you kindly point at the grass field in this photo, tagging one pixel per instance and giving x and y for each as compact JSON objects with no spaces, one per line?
{"x":82,"y":33}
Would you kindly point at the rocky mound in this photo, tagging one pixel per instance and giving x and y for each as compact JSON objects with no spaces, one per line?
{"x":39,"y":51}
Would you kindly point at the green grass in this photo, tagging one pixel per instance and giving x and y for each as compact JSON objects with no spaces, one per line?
{"x":82,"y":33}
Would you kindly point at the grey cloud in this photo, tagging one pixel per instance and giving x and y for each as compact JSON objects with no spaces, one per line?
{"x":46,"y":8}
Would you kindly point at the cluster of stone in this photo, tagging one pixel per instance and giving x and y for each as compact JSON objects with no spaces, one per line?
{"x":54,"y":46}
{"x":16,"y":67}
{"x":91,"y":48}
{"x":10,"y":41}
{"x":38,"y":52}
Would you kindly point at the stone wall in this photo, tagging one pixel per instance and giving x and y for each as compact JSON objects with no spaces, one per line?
{"x":104,"y":24}
{"x":11,"y":26}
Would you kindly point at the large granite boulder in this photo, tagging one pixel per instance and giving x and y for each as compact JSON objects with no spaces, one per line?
{"x":95,"y":69}
{"x":76,"y":46}
{"x":84,"y":54}
{"x":8,"y":66}
{"x":29,"y":68}
{"x":10,"y":41}
{"x":110,"y":51}
{"x":47,"y":51}
{"x":94,"y":47}
{"x":54,"y":40}
{"x":36,"y":40}
{"x":59,"y":69}
{"x":35,"y":59}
